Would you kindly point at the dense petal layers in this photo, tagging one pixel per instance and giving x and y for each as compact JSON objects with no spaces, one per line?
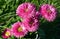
{"x":25,"y":10}
{"x":48,"y":12}
{"x":31,"y":24}
{"x":18,"y":29}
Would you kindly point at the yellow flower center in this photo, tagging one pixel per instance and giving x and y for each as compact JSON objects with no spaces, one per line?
{"x":7,"y":33}
{"x":20,"y":29}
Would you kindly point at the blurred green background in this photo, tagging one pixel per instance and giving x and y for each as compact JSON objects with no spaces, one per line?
{"x":47,"y":30}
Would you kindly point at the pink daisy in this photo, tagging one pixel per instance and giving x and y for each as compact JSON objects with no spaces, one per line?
{"x":6,"y":33}
{"x":25,"y":10}
{"x":48,"y":12}
{"x":31,"y":24}
{"x":18,"y":30}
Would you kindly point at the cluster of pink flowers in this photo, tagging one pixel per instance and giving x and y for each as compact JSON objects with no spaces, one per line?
{"x":30,"y":16}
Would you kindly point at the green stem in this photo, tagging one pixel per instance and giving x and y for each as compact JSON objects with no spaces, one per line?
{"x":19,"y":38}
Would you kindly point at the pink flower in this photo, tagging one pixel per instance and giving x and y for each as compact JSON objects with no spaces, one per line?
{"x":48,"y":12}
{"x":18,"y":30}
{"x":31,"y":24}
{"x":25,"y":10}
{"x":6,"y":33}
{"x":37,"y":15}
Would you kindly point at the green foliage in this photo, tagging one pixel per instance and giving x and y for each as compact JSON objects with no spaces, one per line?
{"x":46,"y":30}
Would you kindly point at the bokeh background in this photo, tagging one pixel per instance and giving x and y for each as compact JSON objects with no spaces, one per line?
{"x":47,"y":30}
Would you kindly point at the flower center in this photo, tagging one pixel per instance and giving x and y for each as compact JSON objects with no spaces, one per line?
{"x":48,"y":10}
{"x":7,"y":33}
{"x":20,"y":29}
{"x":31,"y":22}
{"x":26,"y":10}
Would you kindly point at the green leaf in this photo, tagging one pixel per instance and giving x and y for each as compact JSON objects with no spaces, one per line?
{"x":1,"y":38}
{"x":1,"y":11}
